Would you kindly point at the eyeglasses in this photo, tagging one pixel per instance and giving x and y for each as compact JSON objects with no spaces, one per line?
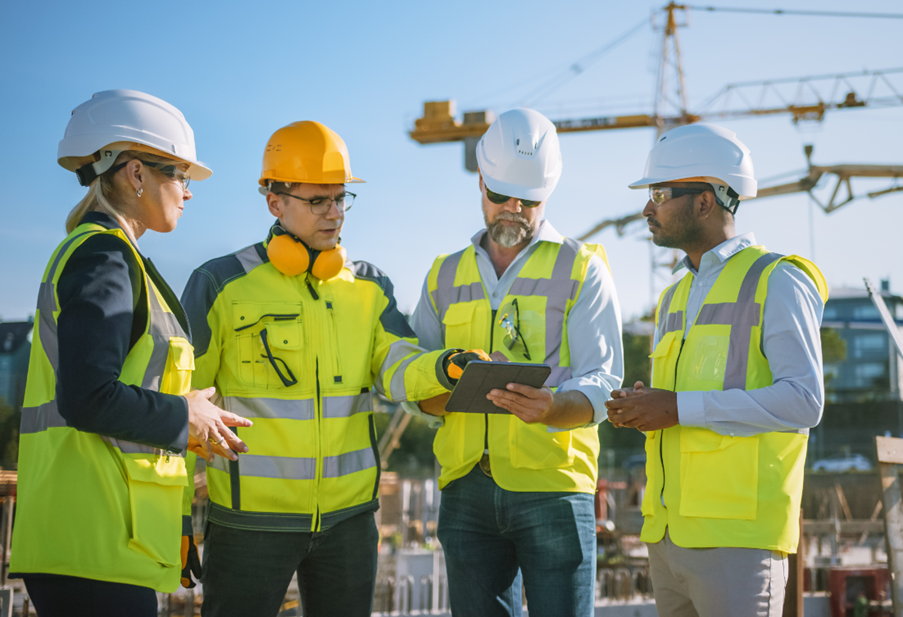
{"x":512,"y":330}
{"x":322,"y":205}
{"x":498,"y":198}
{"x":660,"y":194}
{"x":170,"y":171}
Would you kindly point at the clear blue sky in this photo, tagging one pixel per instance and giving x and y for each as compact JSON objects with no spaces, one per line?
{"x":240,"y":70}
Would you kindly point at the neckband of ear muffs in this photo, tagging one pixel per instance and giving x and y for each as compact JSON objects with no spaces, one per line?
{"x":291,"y":256}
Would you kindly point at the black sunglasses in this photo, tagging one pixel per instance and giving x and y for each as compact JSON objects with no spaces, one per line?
{"x":498,"y":198}
{"x":512,"y":330}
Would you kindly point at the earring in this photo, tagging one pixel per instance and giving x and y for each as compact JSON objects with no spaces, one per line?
{"x":139,"y":191}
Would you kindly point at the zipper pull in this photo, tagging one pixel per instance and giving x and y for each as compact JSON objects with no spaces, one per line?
{"x":168,"y":454}
{"x":311,"y":288}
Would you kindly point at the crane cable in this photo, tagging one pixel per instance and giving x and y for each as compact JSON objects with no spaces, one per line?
{"x":794,"y":12}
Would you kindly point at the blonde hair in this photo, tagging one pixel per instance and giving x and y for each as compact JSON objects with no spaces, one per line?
{"x":101,"y":195}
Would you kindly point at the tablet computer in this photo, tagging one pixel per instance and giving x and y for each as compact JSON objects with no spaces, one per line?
{"x":480,"y":377}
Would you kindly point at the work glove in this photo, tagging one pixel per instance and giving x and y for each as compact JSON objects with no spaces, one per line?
{"x":191,"y":564}
{"x":454,"y":363}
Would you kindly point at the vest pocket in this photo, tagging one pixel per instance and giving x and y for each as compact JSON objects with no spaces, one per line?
{"x":719,"y":475}
{"x":458,"y":322}
{"x":155,"y":501}
{"x":534,"y":448}
{"x":179,"y":365}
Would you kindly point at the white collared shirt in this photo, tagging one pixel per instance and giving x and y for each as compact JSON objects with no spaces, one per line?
{"x":791,"y":340}
{"x":593,"y":326}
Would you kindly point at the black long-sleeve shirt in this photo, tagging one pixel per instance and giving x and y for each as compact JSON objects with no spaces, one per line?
{"x":103,"y":313}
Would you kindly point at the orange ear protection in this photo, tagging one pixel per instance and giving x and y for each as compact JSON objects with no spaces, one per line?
{"x":292,"y":257}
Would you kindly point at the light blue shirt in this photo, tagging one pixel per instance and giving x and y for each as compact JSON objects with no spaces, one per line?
{"x":593,"y":325}
{"x":791,"y":341}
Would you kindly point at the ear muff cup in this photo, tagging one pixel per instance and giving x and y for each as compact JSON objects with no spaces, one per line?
{"x":292,"y":258}
{"x":329,"y":264}
{"x":288,"y":256}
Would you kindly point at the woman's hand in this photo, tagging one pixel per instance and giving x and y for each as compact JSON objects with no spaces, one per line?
{"x":208,"y":431}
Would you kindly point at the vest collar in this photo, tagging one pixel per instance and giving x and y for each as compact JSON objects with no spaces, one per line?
{"x":722,"y":252}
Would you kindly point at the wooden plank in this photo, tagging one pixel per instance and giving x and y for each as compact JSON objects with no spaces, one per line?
{"x":893,"y":526}
{"x":793,"y":594}
{"x":854,"y":527}
{"x":890,"y":450}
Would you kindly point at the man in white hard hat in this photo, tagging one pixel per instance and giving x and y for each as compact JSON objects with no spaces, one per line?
{"x":737,"y":384}
{"x":517,"y":486}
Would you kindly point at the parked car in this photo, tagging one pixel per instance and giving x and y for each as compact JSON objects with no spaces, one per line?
{"x":842,"y":462}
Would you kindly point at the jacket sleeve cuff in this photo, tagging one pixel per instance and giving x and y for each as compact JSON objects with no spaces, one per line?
{"x":440,"y":369}
{"x":690,"y":409}
{"x":181,"y":442}
{"x":431,"y":420}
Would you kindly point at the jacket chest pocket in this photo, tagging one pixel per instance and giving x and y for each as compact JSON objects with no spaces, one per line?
{"x":269,"y":343}
{"x":179,"y":365}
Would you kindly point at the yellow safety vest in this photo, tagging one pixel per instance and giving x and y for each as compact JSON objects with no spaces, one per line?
{"x":718,"y":490}
{"x":299,"y":357}
{"x":524,"y":457}
{"x":89,"y":505}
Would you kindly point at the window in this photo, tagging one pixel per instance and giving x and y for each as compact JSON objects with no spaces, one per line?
{"x":869,"y":345}
{"x":865,"y":312}
{"x":868,"y":372}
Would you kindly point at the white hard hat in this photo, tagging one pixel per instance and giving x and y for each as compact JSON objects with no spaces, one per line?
{"x":117,"y":120}
{"x":703,"y":153}
{"x":519,"y":155}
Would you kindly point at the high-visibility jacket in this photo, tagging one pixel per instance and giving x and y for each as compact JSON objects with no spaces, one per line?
{"x":90,"y":505}
{"x":299,"y":356}
{"x":524,"y":457}
{"x":720,"y":490}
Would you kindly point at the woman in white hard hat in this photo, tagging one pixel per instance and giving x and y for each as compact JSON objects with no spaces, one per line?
{"x":108,"y":411}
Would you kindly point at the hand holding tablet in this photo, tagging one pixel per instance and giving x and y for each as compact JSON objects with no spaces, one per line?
{"x":480,"y":378}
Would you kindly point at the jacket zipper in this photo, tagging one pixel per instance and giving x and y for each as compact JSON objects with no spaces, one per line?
{"x":336,"y":364}
{"x":315,"y":524}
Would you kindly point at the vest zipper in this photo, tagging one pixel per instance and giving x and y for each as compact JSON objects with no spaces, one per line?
{"x":661,"y":437}
{"x":486,"y":415}
{"x":310,"y":288}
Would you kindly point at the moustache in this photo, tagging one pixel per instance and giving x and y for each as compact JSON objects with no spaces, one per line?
{"x":512,"y":216}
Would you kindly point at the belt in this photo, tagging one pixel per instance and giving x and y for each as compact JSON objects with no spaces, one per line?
{"x":484,"y":464}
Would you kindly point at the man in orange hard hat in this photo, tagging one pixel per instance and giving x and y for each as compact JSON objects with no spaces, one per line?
{"x":295,"y":336}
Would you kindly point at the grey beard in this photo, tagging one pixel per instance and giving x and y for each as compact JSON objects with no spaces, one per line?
{"x":508,"y":236}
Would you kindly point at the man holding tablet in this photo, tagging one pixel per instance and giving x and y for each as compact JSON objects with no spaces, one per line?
{"x":517,"y":500}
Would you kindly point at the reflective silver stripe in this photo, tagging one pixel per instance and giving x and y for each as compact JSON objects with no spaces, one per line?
{"x":130,"y":447}
{"x":248,"y":258}
{"x":272,"y":408}
{"x":397,"y":351}
{"x":41,"y":418}
{"x":397,"y":389}
{"x":741,"y":316}
{"x":163,"y":322}
{"x":282,"y":467}
{"x":350,"y":462}
{"x":346,"y":406}
{"x":47,"y":329}
{"x":672,"y":322}
{"x":447,"y":294}
{"x":557,"y":290}
{"x":558,"y":376}
{"x":163,"y":326}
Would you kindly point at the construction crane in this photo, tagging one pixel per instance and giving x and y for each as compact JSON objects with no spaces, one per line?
{"x":841,"y":175}
{"x":803,"y":98}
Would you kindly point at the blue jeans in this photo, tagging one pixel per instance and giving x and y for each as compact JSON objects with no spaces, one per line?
{"x":248,"y":572}
{"x":496,"y":539}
